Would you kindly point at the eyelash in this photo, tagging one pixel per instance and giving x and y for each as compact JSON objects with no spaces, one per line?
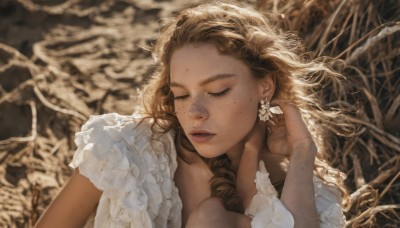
{"x":180,"y":97}
{"x":212,"y":94}
{"x":220,"y":93}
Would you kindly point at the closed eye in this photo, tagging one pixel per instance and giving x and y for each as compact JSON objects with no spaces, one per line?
{"x":181,"y":97}
{"x":225,"y":91}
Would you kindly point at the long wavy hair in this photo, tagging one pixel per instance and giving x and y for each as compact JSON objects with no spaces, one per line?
{"x":245,"y":33}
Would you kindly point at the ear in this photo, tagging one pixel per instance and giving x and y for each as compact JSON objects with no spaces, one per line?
{"x":267,"y":87}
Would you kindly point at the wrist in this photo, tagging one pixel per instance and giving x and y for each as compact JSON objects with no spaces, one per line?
{"x":251,"y":149}
{"x":303,"y":153}
{"x":305,"y":148}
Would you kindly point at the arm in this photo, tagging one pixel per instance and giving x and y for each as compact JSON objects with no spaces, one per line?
{"x":248,"y":166}
{"x":298,"y":191}
{"x":192,"y":181}
{"x":290,"y":136}
{"x":73,"y":205}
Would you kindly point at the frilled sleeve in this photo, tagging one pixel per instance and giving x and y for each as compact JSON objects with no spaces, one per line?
{"x":134,"y":171}
{"x":328,"y":201}
{"x":265,"y":208}
{"x":268,"y":211}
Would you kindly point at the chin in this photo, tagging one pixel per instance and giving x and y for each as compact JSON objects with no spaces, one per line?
{"x":208,"y":153}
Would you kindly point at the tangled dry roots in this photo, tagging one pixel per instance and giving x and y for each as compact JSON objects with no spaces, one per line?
{"x":364,"y":36}
{"x":63,"y":60}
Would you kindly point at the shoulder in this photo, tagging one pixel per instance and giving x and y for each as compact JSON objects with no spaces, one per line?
{"x":110,"y":131}
{"x":112,"y":142}
{"x":112,"y":126}
{"x":133,"y":167}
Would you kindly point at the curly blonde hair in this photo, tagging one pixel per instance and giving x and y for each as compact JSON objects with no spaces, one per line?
{"x":240,"y":31}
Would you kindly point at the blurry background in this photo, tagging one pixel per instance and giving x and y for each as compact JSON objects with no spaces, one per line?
{"x":63,"y":60}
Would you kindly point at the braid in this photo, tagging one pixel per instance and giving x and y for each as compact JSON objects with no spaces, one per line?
{"x":223,"y":183}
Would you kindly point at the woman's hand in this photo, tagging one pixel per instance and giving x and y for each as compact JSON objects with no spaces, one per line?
{"x":289,"y":135}
{"x":288,"y":132}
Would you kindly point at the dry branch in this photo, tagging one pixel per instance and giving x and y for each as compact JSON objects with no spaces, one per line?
{"x":373,"y":41}
{"x":367,"y":216}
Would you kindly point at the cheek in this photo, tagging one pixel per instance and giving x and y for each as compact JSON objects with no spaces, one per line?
{"x":241,"y":116}
{"x":180,"y":112}
{"x":246,"y":108}
{"x":248,"y":113}
{"x":247,"y":100}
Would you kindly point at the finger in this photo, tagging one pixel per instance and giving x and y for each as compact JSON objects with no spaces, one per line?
{"x":289,"y":110}
{"x":271,"y":125}
{"x":276,"y":122}
{"x":273,"y":132}
{"x":292,"y":117}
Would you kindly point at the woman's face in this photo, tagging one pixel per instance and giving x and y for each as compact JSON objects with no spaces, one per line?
{"x":216,"y":98}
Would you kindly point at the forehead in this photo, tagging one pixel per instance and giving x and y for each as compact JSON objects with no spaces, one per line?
{"x":198,"y":61}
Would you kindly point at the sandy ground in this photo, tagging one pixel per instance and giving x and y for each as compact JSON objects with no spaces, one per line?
{"x":62,"y":61}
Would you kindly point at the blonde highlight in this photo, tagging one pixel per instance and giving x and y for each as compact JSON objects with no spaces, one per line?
{"x":246,"y":34}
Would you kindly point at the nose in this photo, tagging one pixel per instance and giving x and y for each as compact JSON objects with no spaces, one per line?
{"x":197,"y":110}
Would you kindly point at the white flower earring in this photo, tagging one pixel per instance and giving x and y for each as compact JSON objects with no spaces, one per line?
{"x":264,"y":112}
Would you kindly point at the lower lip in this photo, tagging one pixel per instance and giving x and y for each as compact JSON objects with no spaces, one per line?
{"x":201,"y":138}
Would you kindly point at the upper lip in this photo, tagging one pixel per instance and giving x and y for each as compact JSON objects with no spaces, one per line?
{"x":194,"y":132}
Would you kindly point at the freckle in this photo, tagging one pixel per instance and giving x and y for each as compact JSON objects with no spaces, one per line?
{"x":251,"y":99}
{"x":187,"y":69}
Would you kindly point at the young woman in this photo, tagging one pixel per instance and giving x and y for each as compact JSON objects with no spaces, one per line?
{"x":205,"y":149}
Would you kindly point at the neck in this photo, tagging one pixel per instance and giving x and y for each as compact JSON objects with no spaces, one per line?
{"x":235,"y":155}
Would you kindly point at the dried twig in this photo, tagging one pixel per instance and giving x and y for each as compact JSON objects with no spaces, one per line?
{"x":369,"y":215}
{"x":372,"y":41}
{"x":55,"y":107}
{"x":358,"y":173}
{"x":389,"y":185}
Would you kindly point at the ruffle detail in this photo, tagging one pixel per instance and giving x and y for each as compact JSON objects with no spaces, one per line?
{"x":268,"y":211}
{"x":134,"y":172}
{"x":265,"y":207}
{"x":328,"y":200}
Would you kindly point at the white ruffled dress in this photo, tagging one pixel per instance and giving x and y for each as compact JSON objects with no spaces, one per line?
{"x":135,"y":173}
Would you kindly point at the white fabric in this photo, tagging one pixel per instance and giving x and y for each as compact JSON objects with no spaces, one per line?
{"x":265,"y":207}
{"x":268,"y":211}
{"x":135,"y":173}
{"x":328,"y":205}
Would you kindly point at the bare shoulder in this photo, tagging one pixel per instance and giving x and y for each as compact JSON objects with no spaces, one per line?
{"x":73,"y":204}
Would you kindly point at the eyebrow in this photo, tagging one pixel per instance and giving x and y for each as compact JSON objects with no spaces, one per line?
{"x":206,"y":81}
